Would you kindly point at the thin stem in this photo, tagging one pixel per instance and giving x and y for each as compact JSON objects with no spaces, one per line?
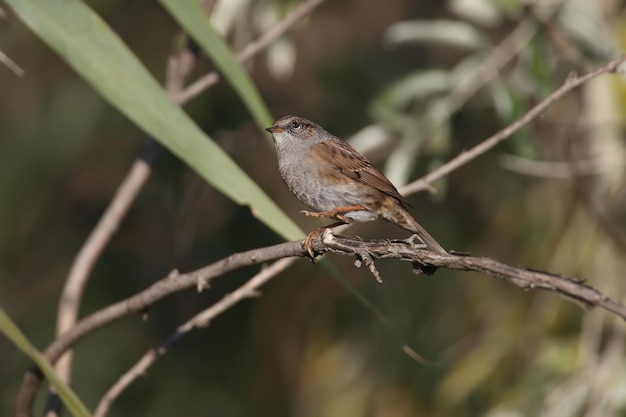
{"x":251,"y":50}
{"x":202,"y":319}
{"x":463,"y":158}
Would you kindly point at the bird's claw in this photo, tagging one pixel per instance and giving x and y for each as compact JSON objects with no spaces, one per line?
{"x":307,"y":244}
{"x":312,"y":213}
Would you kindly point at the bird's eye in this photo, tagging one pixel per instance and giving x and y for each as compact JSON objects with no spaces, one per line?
{"x":295,"y":125}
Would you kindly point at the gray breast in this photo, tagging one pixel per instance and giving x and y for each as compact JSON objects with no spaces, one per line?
{"x":302,"y":178}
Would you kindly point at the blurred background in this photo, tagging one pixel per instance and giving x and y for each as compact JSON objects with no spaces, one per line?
{"x":410,"y":83}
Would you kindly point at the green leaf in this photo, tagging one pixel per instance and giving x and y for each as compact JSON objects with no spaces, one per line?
{"x":88,"y":44}
{"x":69,"y":398}
{"x":94,"y":51}
{"x":192,"y":17}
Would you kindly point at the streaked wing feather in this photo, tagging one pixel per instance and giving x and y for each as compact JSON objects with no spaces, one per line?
{"x":356,"y":166}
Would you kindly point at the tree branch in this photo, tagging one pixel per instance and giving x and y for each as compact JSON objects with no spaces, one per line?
{"x":423,"y":259}
{"x":202,"y":319}
{"x":463,"y":158}
{"x":72,"y":293}
{"x":250,"y":50}
{"x":526,"y":279}
{"x":179,"y":67}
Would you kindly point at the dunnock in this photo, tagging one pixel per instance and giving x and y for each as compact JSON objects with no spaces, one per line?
{"x":333,"y":178}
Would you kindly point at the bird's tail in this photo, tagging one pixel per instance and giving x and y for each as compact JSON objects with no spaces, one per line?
{"x":412,"y":225}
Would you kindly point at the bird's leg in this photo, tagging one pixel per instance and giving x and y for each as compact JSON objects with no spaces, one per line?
{"x":307,"y":243}
{"x":337,"y":213}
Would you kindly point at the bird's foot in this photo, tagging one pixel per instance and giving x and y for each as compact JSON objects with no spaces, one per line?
{"x":337,"y":213}
{"x":307,"y":243}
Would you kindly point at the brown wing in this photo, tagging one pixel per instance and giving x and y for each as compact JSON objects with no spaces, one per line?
{"x":354,"y":165}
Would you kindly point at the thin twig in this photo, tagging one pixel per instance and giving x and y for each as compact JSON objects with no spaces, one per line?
{"x":71,"y":295}
{"x":176,"y":282}
{"x":251,"y":50}
{"x":514,"y":43}
{"x":10,"y":64}
{"x":32,"y":382}
{"x":571,"y":83}
{"x":179,"y":67}
{"x":526,"y":279}
{"x":202,"y":319}
{"x":553,"y":169}
{"x":489,"y":68}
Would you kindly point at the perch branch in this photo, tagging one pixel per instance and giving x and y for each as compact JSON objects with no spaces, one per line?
{"x":379,"y":249}
{"x":31,"y":381}
{"x":179,"y":67}
{"x":524,"y":278}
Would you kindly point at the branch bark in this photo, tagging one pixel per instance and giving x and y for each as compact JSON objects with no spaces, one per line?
{"x":423,"y":259}
{"x":179,"y":67}
{"x":202,"y":319}
{"x":463,"y":158}
{"x":526,"y":279}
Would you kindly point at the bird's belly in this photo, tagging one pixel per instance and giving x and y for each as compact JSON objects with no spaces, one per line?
{"x":333,"y":197}
{"x":325,"y":197}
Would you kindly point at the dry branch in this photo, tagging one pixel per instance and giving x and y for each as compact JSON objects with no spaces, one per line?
{"x":524,"y":278}
{"x":179,"y":67}
{"x":249,"y":289}
{"x":463,"y":158}
{"x":378,"y":249}
{"x":365,"y":251}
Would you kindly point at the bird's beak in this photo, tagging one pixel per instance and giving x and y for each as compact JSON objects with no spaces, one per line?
{"x":274,"y":129}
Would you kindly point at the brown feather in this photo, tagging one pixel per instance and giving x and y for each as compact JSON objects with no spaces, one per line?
{"x":355,"y":166}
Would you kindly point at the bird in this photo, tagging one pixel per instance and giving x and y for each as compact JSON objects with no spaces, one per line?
{"x":331,"y":177}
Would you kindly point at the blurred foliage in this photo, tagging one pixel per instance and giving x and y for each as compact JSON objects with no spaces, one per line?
{"x":410,"y":83}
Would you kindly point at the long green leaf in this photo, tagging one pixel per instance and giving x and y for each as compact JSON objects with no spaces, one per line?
{"x":69,"y":398}
{"x":192,"y":17}
{"x":91,"y":48}
{"x":89,"y":45}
